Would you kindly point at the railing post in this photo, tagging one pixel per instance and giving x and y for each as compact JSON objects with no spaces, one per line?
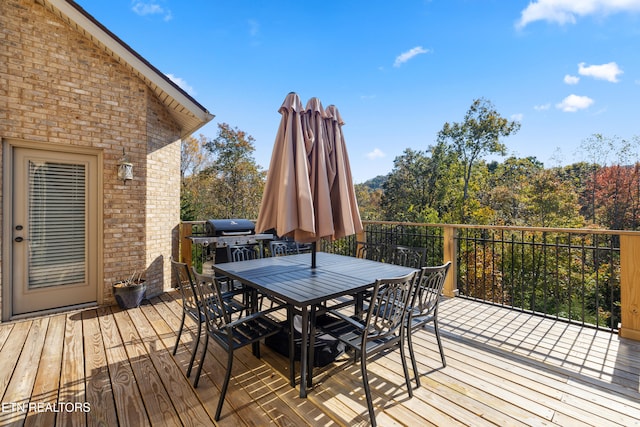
{"x":630,"y":287}
{"x":360,"y":237}
{"x":185,"y":244}
{"x":450,"y":251}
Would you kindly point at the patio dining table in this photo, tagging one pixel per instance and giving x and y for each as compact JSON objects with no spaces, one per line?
{"x":292,"y":280}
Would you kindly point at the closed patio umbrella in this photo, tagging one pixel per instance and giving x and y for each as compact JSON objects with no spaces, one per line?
{"x":320,"y":177}
{"x":312,"y":198}
{"x":287,"y":204}
{"x":346,"y":215}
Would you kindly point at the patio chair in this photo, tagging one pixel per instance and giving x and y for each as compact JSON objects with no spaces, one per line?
{"x":238,"y":253}
{"x":372,"y":251}
{"x":283,"y":248}
{"x":408,"y":256}
{"x":230,"y":334}
{"x":190,"y":306}
{"x":242,"y":252}
{"x":424,"y":308}
{"x":381,"y":330}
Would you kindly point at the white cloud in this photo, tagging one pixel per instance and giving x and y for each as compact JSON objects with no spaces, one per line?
{"x":571,"y":80}
{"x":254,"y":27}
{"x":182,"y":83}
{"x":608,"y":72}
{"x":375,"y":154}
{"x":573,"y":103}
{"x":150,"y":7}
{"x":404,"y":57}
{"x":542,"y":107}
{"x":566,"y":11}
{"x":517,"y":117}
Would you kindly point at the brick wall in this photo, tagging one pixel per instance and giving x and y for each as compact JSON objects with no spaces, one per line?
{"x":58,"y":87}
{"x":163,"y":194}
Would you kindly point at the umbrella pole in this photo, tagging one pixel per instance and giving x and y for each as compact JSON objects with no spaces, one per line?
{"x":313,"y":255}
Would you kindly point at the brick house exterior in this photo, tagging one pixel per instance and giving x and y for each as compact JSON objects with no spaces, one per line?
{"x":67,"y":84}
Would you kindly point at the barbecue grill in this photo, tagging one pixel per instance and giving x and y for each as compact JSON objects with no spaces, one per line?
{"x":220,"y":233}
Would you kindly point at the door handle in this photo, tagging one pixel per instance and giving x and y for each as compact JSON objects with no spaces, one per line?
{"x":18,"y":239}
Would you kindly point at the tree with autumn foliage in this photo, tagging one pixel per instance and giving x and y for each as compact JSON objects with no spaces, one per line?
{"x":230,"y":184}
{"x":610,"y":190}
{"x":194,"y":159}
{"x":617,"y":196}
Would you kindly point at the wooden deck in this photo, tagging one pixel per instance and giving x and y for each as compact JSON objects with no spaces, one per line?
{"x":110,"y":367}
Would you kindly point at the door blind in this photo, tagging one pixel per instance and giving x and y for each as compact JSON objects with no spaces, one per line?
{"x":57,"y":224}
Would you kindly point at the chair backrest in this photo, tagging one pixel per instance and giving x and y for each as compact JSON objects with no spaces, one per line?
{"x":429,"y":286}
{"x":372,"y":251}
{"x":408,"y":256}
{"x":388,"y":308}
{"x":241,"y":252}
{"x":210,"y":293}
{"x":281,"y":248}
{"x":186,"y":286}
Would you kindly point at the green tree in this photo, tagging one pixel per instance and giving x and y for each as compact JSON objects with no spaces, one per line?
{"x":503,"y":194}
{"x":551,"y":202}
{"x":235,"y":181}
{"x":478,"y":135}
{"x":415,"y":189}
{"x":578,"y":176}
{"x":369,"y":202}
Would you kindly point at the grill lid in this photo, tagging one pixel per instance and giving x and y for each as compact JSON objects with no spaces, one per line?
{"x":229,"y":227}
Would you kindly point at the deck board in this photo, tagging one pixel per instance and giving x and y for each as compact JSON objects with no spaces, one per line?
{"x":144,"y":364}
{"x":20,"y":386}
{"x":47,"y":380}
{"x":503,"y":368}
{"x":98,"y":384}
{"x":129,"y":403}
{"x":72,"y":376}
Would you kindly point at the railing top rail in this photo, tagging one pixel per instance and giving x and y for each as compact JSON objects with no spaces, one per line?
{"x":494,"y":227}
{"x":511,"y":228}
{"x":193,"y":222}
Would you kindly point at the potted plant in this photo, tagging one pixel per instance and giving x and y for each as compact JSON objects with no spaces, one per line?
{"x":130,"y":292}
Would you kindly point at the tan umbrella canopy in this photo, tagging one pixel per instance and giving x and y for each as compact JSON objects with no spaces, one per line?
{"x":346,"y":215}
{"x":287,"y":204}
{"x":320,"y":178}
{"x":309,"y":191}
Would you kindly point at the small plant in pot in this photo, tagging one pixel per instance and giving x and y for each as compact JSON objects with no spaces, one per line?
{"x":130,"y":292}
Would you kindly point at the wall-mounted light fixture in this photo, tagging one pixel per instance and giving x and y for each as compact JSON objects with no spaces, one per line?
{"x":125,"y":168}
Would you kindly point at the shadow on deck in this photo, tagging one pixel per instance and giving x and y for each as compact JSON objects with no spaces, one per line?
{"x":111,"y":367}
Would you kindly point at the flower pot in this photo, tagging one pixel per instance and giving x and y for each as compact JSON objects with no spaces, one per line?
{"x":129,"y":295}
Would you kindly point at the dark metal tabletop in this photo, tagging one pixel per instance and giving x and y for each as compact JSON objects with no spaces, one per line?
{"x":292,"y":280}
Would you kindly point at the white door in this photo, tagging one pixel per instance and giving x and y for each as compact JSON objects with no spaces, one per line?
{"x":54,"y":230}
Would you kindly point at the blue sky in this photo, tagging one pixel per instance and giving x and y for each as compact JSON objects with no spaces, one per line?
{"x":398,"y":70}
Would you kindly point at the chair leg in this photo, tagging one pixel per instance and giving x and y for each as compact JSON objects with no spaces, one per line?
{"x":225,"y":385}
{"x":367,"y":391}
{"x":435,"y":326}
{"x":204,"y":352}
{"x":195,"y":349}
{"x":175,"y":347}
{"x":413,"y":357}
{"x":403,"y":357}
{"x":292,"y":363}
